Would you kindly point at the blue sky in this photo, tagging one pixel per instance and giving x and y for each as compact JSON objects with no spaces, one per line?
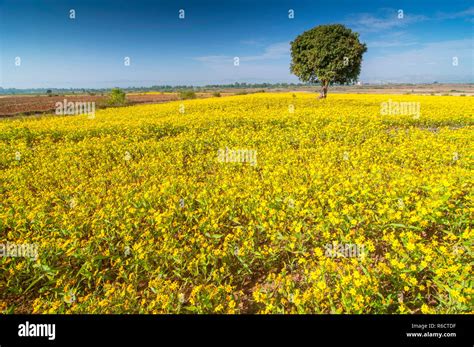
{"x":89,"y":51}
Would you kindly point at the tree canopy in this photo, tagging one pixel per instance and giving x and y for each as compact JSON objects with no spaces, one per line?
{"x":327,"y":54}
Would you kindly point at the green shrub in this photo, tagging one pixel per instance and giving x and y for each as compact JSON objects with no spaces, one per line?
{"x":216,"y":94}
{"x":116,"y":97}
{"x":187,"y":94}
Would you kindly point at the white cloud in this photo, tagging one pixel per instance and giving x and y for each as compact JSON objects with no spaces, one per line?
{"x":271,"y":65}
{"x":387,"y":18}
{"x":425,"y":63}
{"x":274,"y":51}
{"x":393,"y":39}
{"x":383,"y":20}
{"x":455,"y":15}
{"x":389,"y":43}
{"x":215,"y":59}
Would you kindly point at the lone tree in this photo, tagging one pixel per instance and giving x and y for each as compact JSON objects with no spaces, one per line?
{"x":116,"y":97}
{"x":327,"y":54}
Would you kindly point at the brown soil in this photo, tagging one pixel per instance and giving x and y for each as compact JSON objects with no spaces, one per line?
{"x":37,"y":104}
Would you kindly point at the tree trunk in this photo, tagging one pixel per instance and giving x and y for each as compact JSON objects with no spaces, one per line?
{"x":324,"y":89}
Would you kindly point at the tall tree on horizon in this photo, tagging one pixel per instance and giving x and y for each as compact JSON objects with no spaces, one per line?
{"x":327,"y":54}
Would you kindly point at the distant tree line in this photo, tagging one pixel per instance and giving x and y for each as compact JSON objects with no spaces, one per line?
{"x":169,"y":88}
{"x":159,"y":88}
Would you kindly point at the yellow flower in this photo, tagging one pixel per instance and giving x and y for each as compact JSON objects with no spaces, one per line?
{"x":425,"y":309}
{"x":222,"y":197}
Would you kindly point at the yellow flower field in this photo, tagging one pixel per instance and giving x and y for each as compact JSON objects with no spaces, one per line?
{"x":133,"y":212}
